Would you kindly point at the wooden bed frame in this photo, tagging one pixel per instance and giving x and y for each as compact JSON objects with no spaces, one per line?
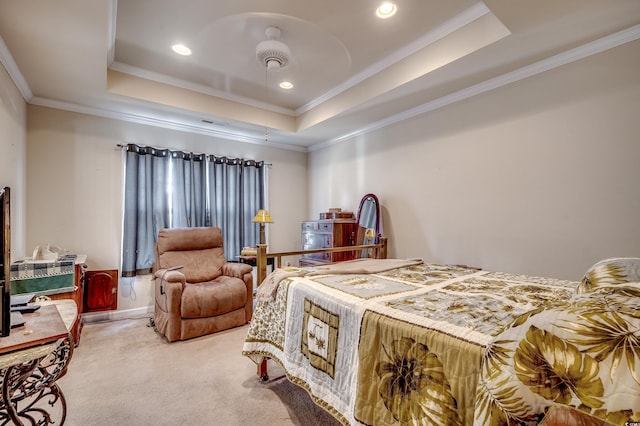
{"x":379,"y":251}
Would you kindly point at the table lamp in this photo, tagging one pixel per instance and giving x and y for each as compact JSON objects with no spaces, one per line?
{"x":262,"y":217}
{"x":370,"y":234}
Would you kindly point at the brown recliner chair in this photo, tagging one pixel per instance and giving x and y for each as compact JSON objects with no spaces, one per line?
{"x":197,"y":291}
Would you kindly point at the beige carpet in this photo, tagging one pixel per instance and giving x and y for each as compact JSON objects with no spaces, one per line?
{"x":124,"y":373}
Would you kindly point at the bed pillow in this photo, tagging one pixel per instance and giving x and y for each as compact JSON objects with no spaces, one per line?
{"x":610,"y":272}
{"x":584,"y":356}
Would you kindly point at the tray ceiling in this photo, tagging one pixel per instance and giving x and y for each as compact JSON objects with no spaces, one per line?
{"x":351,"y":71}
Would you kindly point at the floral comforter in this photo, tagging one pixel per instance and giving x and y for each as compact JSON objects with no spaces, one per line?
{"x":432,"y":344}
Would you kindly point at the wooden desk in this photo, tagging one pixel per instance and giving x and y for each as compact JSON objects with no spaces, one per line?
{"x":32,"y":358}
{"x":42,"y":326}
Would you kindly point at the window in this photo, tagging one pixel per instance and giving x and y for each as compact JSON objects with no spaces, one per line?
{"x":173,"y":189}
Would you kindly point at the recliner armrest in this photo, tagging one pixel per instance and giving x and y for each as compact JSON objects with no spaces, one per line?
{"x":237,"y":270}
{"x":169,"y":285}
{"x":171,"y":276}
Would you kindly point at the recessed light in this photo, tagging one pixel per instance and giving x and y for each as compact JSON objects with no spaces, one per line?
{"x":181,"y":49}
{"x":286,"y":85}
{"x":386,"y":10}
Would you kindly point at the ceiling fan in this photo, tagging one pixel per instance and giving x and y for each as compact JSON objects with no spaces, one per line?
{"x":272,"y":53}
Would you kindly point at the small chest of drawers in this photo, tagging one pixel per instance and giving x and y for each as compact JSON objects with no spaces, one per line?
{"x":318,"y":234}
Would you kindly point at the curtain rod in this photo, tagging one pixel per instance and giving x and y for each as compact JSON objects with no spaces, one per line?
{"x":122,"y":147}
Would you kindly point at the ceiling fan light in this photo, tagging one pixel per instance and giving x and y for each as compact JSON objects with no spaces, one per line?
{"x":386,"y":10}
{"x":273,"y":64}
{"x":273,"y":53}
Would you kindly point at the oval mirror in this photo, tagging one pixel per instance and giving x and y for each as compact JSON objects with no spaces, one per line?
{"x":368,"y":219}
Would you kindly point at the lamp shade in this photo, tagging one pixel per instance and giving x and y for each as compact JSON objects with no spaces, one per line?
{"x":262,"y":216}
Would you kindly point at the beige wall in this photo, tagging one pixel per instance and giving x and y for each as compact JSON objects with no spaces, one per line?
{"x":540,"y":177}
{"x":13,"y":148}
{"x":75,"y":186}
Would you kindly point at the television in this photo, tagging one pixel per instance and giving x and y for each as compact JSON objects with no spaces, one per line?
{"x":5,"y":269}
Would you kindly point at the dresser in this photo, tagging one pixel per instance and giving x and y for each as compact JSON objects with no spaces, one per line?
{"x":76,"y":294}
{"x":328,"y":233}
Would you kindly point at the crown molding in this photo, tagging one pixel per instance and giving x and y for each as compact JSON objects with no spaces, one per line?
{"x":6,"y":59}
{"x":149,"y":120}
{"x":564,"y":58}
{"x":206,"y":90}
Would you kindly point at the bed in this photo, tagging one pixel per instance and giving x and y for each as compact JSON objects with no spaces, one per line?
{"x":404,"y":342}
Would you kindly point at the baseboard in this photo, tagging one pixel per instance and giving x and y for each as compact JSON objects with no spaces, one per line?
{"x":143,"y":312}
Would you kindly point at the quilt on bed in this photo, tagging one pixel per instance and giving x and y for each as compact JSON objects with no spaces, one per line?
{"x":419,"y":344}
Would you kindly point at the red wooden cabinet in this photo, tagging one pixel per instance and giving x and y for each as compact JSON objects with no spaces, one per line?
{"x":100,"y":291}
